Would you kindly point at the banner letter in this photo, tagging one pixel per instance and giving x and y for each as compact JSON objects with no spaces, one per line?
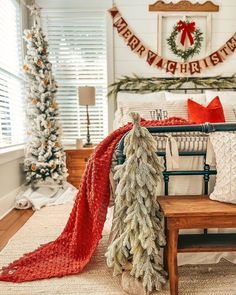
{"x":224,"y":50}
{"x":171,"y":66}
{"x":121,"y":24}
{"x":183,"y":68}
{"x":205,"y":62}
{"x":151,"y":57}
{"x":159,"y":64}
{"x":231,"y":43}
{"x":127,"y":34}
{"x":194,"y":67}
{"x":133,"y":42}
{"x":215,"y":58}
{"x":141,"y":50}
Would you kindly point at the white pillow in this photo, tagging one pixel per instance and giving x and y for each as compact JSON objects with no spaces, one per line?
{"x":176,"y":108}
{"x":134,"y":102}
{"x":198,"y":97}
{"x":155,"y":111}
{"x":176,"y":104}
{"x":224,"y":145}
{"x":228,"y":101}
{"x":148,"y":111}
{"x":126,"y":99}
{"x":228,"y":97}
{"x":118,"y":119}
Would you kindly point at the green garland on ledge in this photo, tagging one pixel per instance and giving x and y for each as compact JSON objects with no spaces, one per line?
{"x":190,"y":52}
{"x":141,"y":85}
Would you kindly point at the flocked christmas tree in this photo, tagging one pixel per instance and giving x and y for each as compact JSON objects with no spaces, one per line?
{"x":44,"y":157}
{"x":138,"y":223}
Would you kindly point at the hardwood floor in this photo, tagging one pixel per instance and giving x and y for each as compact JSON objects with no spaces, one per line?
{"x":11,"y":223}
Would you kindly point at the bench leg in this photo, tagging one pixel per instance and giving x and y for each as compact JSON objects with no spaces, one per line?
{"x":165,"y":250}
{"x":165,"y":259}
{"x":172,"y":244}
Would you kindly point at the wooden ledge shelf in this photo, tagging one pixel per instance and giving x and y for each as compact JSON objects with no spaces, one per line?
{"x":184,"y":5}
{"x":207,"y":243}
{"x":183,"y":212}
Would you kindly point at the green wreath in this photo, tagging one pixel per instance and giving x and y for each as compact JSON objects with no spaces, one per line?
{"x":190,"y":52}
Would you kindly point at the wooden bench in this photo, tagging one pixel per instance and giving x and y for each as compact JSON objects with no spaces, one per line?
{"x":195,"y":212}
{"x":191,"y":212}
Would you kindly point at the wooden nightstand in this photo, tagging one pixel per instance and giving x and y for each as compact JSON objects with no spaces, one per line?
{"x":76,"y":161}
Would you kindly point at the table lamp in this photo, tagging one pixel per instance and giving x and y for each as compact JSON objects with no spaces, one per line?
{"x":87,"y":98}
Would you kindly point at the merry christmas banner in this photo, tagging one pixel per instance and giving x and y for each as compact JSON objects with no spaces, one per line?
{"x":170,"y":66}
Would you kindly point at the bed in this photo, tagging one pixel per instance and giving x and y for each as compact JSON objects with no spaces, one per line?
{"x":192,"y":145}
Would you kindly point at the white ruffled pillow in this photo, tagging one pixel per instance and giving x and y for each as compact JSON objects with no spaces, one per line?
{"x":127,"y":99}
{"x":228,"y":101}
{"x":224,"y":145}
{"x":198,"y":97}
{"x":144,"y":104}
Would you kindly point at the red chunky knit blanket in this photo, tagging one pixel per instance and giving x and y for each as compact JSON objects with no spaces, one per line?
{"x":72,"y":250}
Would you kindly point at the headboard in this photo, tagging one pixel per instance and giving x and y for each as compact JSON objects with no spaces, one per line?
{"x":185,"y":85}
{"x":203,"y":128}
{"x":181,"y":85}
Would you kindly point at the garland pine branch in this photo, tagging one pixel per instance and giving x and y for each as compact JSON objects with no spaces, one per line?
{"x":141,"y":85}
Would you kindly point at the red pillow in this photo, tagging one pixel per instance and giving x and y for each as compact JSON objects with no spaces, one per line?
{"x":213,"y":113}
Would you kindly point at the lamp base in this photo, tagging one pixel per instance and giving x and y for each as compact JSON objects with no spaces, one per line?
{"x":88,"y":144}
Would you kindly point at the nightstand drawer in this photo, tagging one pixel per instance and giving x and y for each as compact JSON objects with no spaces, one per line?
{"x":76,"y":164}
{"x":79,"y":157}
{"x":76,"y":172}
{"x":75,"y":181}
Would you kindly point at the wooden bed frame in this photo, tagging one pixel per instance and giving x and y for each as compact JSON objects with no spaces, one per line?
{"x":191,"y":212}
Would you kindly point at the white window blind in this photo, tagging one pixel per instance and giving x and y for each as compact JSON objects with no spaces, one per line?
{"x":11,"y":81}
{"x":77,"y":46}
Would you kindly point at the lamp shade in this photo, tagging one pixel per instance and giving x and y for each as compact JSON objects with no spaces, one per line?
{"x":86,"y":95}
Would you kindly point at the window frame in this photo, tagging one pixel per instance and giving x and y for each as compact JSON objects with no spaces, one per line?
{"x":91,"y":5}
{"x":16,"y":150}
{"x":54,"y":12}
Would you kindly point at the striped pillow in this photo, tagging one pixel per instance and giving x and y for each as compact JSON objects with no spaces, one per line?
{"x":157,"y":112}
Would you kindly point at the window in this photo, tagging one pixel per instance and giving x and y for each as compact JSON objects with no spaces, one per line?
{"x":11,"y":81}
{"x":77,"y":46}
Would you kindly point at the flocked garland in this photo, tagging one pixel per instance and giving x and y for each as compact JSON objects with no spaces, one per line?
{"x":138,"y":233}
{"x":140,"y":84}
{"x":185,"y":54}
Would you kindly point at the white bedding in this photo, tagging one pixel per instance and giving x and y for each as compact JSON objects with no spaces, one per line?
{"x":167,"y":104}
{"x":181,"y":185}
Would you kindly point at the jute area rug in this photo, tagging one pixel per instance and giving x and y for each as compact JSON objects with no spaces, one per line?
{"x":97,"y":279}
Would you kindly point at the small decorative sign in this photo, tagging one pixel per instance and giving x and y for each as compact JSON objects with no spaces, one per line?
{"x":184,"y":5}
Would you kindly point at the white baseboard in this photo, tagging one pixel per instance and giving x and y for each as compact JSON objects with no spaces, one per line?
{"x":7,"y":202}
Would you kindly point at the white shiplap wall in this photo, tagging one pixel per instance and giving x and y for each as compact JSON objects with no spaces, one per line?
{"x":144,"y":24}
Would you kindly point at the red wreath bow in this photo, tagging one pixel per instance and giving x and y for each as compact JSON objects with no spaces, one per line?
{"x":187,"y":30}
